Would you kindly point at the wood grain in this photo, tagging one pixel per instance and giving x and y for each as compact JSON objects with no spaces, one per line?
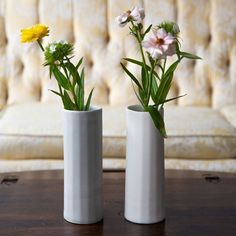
{"x":195,"y":205}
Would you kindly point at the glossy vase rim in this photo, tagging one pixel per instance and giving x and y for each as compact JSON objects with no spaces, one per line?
{"x":91,"y":110}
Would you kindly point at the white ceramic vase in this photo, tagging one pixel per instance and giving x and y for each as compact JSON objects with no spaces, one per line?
{"x":83,"y":198}
{"x":144,"y":182}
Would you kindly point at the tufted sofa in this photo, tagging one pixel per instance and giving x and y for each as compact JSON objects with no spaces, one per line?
{"x":201,"y":126}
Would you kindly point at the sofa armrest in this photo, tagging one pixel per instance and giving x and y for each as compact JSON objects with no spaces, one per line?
{"x":229,"y":112}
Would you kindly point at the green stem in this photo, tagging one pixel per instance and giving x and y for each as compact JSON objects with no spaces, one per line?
{"x":139,"y":39}
{"x":151,"y":78}
{"x":71,"y":87}
{"x":40,"y":45}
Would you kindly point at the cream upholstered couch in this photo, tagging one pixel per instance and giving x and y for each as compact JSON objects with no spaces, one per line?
{"x":201,"y":126}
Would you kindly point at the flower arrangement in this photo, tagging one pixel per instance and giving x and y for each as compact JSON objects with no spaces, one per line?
{"x":156,"y":77}
{"x":58,"y":57}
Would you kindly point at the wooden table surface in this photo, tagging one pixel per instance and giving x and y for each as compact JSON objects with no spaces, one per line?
{"x":197,"y":203}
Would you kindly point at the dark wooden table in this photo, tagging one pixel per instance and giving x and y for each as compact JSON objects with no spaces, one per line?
{"x":197,"y":203}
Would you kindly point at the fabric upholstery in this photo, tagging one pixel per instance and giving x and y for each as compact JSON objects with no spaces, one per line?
{"x":31,"y":116}
{"x":34,"y":130}
{"x":228,"y":165}
{"x":208,"y":28}
{"x":230,"y":114}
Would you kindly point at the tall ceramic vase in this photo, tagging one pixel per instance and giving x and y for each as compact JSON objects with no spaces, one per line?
{"x":144,"y":183}
{"x":83,"y":166}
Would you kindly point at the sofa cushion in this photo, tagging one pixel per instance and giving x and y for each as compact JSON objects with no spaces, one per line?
{"x":31,"y":130}
{"x":229,"y":113}
{"x":196,"y":132}
{"x":34,"y":130}
{"x":225,"y":165}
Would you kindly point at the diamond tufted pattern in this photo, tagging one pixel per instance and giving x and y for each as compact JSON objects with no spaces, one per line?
{"x":208,"y":28}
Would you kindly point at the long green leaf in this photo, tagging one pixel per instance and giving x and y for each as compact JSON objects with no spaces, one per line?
{"x":143,"y":78}
{"x":79,"y":63}
{"x":61,"y":79}
{"x":80,"y":98}
{"x":165,"y":83}
{"x":138,"y":96}
{"x":131,"y":76}
{"x":158,"y":120}
{"x":89,"y":100}
{"x":55,"y":92}
{"x":74,"y":73}
{"x":166,"y":87}
{"x":189,"y":55}
{"x":140,"y":63}
{"x":147,"y":30}
{"x":141,"y":94}
{"x":50,"y":71}
{"x":154,"y":88}
{"x":68,"y":104}
{"x":174,"y":98}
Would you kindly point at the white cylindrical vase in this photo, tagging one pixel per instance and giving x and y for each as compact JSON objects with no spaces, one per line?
{"x":144,"y":182}
{"x":83,"y":197}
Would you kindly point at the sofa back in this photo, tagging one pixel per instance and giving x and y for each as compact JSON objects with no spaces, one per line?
{"x":208,"y":29}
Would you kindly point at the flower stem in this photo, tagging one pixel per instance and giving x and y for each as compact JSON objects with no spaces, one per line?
{"x":71,"y":86}
{"x":164,"y":66}
{"x":151,"y":78}
{"x":40,"y":45}
{"x":139,"y":39}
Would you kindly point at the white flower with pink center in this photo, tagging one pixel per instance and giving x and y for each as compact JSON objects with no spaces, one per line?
{"x":160,"y":44}
{"x":136,"y":14}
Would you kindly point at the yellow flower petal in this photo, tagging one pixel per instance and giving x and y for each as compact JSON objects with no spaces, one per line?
{"x":34,"y":33}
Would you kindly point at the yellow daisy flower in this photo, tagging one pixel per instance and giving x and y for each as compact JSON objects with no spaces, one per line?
{"x":34,"y":33}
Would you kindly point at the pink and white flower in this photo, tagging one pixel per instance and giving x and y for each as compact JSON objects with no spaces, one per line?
{"x":160,"y":44}
{"x":136,"y":14}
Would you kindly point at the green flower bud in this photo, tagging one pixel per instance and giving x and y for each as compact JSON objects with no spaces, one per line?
{"x":57,"y":51}
{"x":170,"y":27}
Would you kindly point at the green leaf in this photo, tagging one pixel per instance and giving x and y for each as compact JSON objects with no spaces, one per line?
{"x":158,"y":120}
{"x":50,"y":72}
{"x":61,"y":79}
{"x":190,"y":56}
{"x":141,"y":94}
{"x":172,"y":67}
{"x":139,"y":63}
{"x":68,"y":104}
{"x":55,"y":92}
{"x":80,"y":98}
{"x":131,"y":76}
{"x":147,"y":30}
{"x":154,"y":88}
{"x":89,"y":100}
{"x":139,"y":98}
{"x":134,"y":61}
{"x":74,"y":73}
{"x":177,"y":50}
{"x":79,"y":63}
{"x":143,"y":78}
{"x":165,"y":84}
{"x":174,"y":98}
{"x":166,"y":87}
